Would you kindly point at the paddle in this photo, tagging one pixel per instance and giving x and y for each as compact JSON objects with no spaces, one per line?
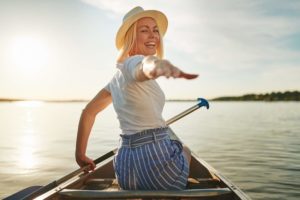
{"x":201,"y":103}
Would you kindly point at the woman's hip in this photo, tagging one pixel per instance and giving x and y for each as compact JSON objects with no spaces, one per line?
{"x":145,"y":163}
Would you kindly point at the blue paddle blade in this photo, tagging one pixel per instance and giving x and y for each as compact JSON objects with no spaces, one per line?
{"x":203,"y":102}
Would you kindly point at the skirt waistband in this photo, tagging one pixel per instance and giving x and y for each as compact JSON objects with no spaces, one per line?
{"x":144,"y":137}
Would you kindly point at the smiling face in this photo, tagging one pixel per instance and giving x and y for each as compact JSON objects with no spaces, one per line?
{"x":147,"y":37}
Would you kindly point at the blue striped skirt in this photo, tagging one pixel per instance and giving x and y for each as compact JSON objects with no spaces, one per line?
{"x":150,"y":160}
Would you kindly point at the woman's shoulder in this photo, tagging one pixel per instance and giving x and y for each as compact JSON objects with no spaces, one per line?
{"x":129,"y":65}
{"x":132,"y":60}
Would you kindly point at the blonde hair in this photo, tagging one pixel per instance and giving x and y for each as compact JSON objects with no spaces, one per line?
{"x":129,"y":42}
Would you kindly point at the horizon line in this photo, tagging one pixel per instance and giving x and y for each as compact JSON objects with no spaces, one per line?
{"x":87,"y":100}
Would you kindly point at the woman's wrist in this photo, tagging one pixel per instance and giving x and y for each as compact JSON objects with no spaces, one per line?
{"x":79,"y":155}
{"x":149,"y":64}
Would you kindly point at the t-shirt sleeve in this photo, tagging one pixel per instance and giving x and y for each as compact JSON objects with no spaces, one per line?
{"x":107,"y":87}
{"x":130,"y":67}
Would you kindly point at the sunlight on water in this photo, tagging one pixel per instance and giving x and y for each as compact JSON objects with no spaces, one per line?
{"x":30,"y":104}
{"x":27,"y":159}
{"x":28,"y":142}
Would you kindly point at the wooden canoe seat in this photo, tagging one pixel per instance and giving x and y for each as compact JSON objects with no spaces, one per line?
{"x":100,"y":181}
{"x":101,"y":184}
{"x":112,"y":184}
{"x":202,"y":183}
{"x":127,"y":194}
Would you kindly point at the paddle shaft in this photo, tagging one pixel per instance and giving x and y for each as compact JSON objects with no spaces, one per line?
{"x":168,"y":122}
{"x":181,"y":115}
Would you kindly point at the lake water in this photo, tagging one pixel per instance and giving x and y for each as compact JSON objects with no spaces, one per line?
{"x":254,"y":144}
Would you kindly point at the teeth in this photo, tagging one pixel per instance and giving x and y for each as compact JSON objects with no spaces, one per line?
{"x":150,"y":43}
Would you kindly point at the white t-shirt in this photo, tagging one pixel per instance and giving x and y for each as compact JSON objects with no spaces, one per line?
{"x":138,"y":104}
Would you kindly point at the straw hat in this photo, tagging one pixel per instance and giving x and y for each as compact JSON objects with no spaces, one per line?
{"x":136,"y":14}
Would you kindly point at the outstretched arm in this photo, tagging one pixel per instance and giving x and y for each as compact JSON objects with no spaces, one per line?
{"x":152,"y":67}
{"x":96,"y":105}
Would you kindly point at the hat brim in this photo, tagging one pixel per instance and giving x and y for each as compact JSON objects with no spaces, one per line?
{"x":160,"y":19}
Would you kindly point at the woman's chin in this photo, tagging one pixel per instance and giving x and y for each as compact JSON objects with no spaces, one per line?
{"x":150,"y":53}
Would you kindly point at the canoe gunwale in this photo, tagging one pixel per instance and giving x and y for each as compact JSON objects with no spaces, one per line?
{"x":226,"y":181}
{"x":81,"y":177}
{"x":124,"y":194}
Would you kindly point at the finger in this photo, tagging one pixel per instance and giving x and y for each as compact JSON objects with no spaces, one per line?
{"x":168,"y":72}
{"x":188,"y":76}
{"x":159,"y":72}
{"x":175,"y":72}
{"x":90,"y":163}
{"x":89,"y":167}
{"x":86,"y":169}
{"x":93,"y":166}
{"x":152,"y":74}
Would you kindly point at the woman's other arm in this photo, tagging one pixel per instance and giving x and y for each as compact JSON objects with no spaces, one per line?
{"x":88,"y":115}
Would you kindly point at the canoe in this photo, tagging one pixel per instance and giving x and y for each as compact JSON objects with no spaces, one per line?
{"x":204,"y":183}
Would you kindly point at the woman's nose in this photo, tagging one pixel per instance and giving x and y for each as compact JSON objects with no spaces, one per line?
{"x":151,"y":35}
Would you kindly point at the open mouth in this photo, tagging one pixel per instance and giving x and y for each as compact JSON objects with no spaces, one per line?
{"x":151,"y":45}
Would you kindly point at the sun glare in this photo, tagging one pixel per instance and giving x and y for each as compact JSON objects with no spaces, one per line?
{"x":30,"y":104}
{"x":28,"y":158}
{"x":29,"y":52}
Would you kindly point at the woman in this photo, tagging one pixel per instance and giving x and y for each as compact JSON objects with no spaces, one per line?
{"x":147,"y":159}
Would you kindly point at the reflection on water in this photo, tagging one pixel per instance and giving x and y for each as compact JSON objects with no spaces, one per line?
{"x":26,"y":151}
{"x":28,"y":141}
{"x":29,"y":104}
{"x":254,"y":144}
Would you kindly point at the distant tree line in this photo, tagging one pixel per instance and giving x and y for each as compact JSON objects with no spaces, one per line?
{"x":274,"y":96}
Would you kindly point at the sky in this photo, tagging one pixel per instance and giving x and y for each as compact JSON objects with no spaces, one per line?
{"x":65,"y":49}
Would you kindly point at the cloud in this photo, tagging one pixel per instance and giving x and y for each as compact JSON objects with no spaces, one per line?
{"x":254,"y":39}
{"x":224,"y":34}
{"x":279,"y":75}
{"x":116,"y":7}
{"x":231,"y":36}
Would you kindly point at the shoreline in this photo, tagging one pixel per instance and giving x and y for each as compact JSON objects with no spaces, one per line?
{"x":266,"y":97}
